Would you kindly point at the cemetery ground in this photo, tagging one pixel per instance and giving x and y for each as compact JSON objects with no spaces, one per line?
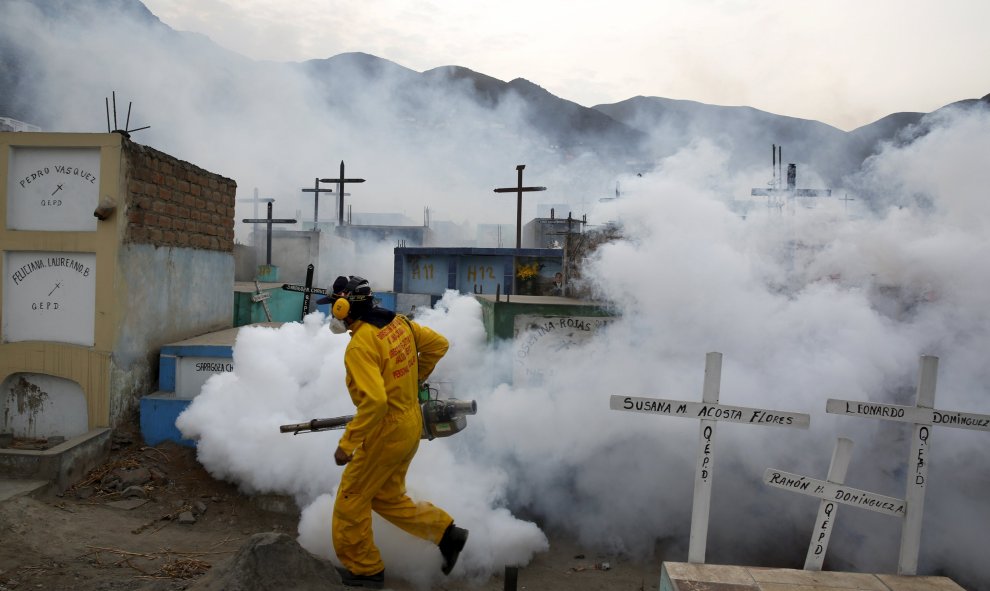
{"x":153,"y":519}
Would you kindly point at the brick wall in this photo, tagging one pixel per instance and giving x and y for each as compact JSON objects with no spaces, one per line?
{"x":170,"y":202}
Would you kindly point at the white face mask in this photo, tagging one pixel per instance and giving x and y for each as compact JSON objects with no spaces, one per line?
{"x":337,"y":326}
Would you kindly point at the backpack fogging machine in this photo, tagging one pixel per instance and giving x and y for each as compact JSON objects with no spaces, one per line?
{"x":441,"y":418}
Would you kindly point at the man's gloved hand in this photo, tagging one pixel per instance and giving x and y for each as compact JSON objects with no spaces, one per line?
{"x":340,"y":456}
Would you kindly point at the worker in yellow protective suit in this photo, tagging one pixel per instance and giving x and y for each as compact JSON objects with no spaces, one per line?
{"x":386,"y":360}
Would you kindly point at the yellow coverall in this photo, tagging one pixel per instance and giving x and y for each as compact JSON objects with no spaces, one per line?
{"x":383,"y":375}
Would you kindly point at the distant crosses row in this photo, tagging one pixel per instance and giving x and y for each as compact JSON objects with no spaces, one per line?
{"x":832,"y":490}
{"x":342,"y":180}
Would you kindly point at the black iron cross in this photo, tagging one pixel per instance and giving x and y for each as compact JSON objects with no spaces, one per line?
{"x":519,"y":189}
{"x":316,"y":190}
{"x":269,"y":221}
{"x":340,"y":190}
{"x":307,"y":290}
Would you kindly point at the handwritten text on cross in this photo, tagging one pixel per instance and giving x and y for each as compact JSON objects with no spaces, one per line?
{"x":708,"y":411}
{"x":923,"y":417}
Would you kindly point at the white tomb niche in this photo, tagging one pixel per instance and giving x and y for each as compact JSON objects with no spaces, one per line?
{"x":53,"y":189}
{"x":49,"y":296}
{"x":39,"y":406}
{"x":539,"y":340}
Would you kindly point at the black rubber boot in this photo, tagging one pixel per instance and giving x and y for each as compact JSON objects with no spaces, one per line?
{"x":451,"y":544}
{"x":349,"y":579}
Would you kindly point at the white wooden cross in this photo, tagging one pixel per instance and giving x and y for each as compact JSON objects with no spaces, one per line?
{"x":708,"y":411}
{"x":923,"y":416}
{"x":832,"y":491}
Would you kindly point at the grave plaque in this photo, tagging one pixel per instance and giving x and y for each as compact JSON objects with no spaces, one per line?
{"x":192,"y":372}
{"x":49,"y":296}
{"x":539,"y":340}
{"x":53,"y":189}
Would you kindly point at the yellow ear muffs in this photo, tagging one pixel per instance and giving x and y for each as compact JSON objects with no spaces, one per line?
{"x":341,"y":308}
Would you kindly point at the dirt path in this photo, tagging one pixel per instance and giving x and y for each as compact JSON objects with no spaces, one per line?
{"x":152,"y":519}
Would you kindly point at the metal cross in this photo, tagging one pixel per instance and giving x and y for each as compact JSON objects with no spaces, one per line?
{"x":260,"y":296}
{"x":316,"y":190}
{"x":340,"y":190}
{"x":519,"y":189}
{"x":269,"y":221}
{"x":307,"y":290}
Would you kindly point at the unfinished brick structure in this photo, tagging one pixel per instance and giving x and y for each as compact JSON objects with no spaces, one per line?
{"x":171,"y":202}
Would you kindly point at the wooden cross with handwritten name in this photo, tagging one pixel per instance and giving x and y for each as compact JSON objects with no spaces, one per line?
{"x":307,"y":290}
{"x":709,"y":411}
{"x":923,"y":416}
{"x":832,"y":491}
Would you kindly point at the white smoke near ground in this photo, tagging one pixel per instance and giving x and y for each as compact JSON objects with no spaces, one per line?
{"x":294,"y":373}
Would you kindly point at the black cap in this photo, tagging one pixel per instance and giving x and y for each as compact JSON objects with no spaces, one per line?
{"x":338,"y":286}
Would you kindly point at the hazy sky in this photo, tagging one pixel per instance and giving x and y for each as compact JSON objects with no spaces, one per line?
{"x":843,"y":62}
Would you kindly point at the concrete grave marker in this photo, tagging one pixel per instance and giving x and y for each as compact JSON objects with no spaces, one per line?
{"x":192,"y":373}
{"x":541,"y":337}
{"x":53,"y":188}
{"x":84,"y":301}
{"x":923,"y":416}
{"x":708,"y":411}
{"x":49,"y":296}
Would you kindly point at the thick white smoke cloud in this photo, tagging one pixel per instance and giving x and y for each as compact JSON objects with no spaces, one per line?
{"x":294,"y":373}
{"x":808,"y":304}
{"x":804,"y":304}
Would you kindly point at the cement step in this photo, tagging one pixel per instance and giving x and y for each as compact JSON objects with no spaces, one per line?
{"x":11,"y":488}
{"x":683,"y":576}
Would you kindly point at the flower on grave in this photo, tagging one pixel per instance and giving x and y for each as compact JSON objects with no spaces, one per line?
{"x":526,"y":272}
